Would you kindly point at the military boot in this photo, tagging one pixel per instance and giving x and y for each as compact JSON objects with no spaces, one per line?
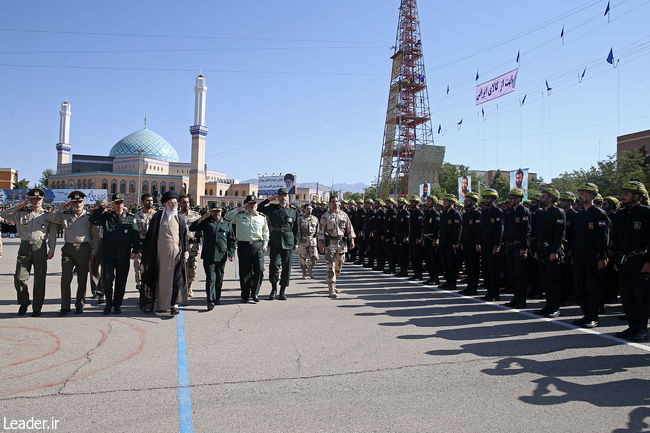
{"x":332,"y":290}
{"x":274,"y":289}
{"x":282,"y":296}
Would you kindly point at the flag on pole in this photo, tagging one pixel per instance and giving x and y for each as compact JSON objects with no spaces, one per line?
{"x":581,"y":76}
{"x":483,"y":113}
{"x":562,"y":34}
{"x":610,"y":56}
{"x":548,"y":89}
{"x":476,"y":75}
{"x":447,"y":89}
{"x":517,"y":56}
{"x":439,"y":128}
{"x":607,"y":12}
{"x":523,"y":100}
{"x":459,"y":123}
{"x":145,"y":121}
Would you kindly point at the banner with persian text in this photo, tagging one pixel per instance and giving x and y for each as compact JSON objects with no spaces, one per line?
{"x":497,"y":87}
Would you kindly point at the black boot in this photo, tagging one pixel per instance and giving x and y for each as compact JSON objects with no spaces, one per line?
{"x":282,"y":296}
{"x":274,"y":290}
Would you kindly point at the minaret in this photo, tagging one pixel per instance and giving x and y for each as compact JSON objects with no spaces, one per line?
{"x":63,"y":146}
{"x":199,"y":132}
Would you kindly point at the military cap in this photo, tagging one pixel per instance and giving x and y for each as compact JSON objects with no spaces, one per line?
{"x":76,"y":196}
{"x":568,"y":195}
{"x":490,"y":192}
{"x":613,"y":200}
{"x":100,"y":202}
{"x":118,"y":196}
{"x":169,"y":195}
{"x":414,"y":198}
{"x":359,"y":201}
{"x":634,"y":186}
{"x":35,"y":193}
{"x":282,"y":190}
{"x":434,"y":199}
{"x":369,"y":201}
{"x":215,"y":206}
{"x":402,"y":200}
{"x":249,"y":198}
{"x":391,"y":201}
{"x":534,"y":195}
{"x":344,"y":202}
{"x":552,"y":192}
{"x":472,"y":195}
{"x":449,"y":197}
{"x":516,"y":193}
{"x":589,"y":187}
{"x":380,"y":202}
{"x":526,"y":201}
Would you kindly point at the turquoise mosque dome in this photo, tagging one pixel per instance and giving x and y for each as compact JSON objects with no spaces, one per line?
{"x":152,"y":145}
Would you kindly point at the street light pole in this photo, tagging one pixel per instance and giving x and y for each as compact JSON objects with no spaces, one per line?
{"x":139,"y":151}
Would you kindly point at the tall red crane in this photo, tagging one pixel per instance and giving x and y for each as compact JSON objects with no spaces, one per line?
{"x":408,"y":119}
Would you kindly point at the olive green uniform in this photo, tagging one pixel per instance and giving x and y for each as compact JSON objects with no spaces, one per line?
{"x":37,"y":240}
{"x":285,"y":234}
{"x":75,"y":254}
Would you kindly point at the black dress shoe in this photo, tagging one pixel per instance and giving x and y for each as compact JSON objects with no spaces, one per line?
{"x":244,"y":300}
{"x":100,"y":299}
{"x":210,"y":306}
{"x":272,"y":295}
{"x":217,"y":302}
{"x":580,"y":322}
{"x":443,"y":286}
{"x":488,"y":298}
{"x":402,"y":274}
{"x":622,"y":317}
{"x":255,"y":299}
{"x":429,"y":282}
{"x":638,"y":337}
{"x":552,"y":314}
{"x":117,"y":310}
{"x":107,"y":310}
{"x":36,"y":313}
{"x":543,"y":312}
{"x":468,"y":292}
{"x":389,"y":271}
{"x":358,"y":262}
{"x":591,"y":324}
{"x":625,"y":334}
{"x":79,"y":310}
{"x":63,"y":312}
{"x":174,"y":311}
{"x":23,"y":309}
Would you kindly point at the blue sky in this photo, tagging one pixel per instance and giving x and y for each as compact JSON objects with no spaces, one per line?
{"x":303,"y":86}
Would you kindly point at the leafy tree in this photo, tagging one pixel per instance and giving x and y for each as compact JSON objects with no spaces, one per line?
{"x":44,"y":181}
{"x":501,"y":185}
{"x":21,"y":184}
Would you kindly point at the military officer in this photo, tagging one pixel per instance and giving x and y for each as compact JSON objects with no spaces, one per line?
{"x":37,"y":244}
{"x":591,"y":231}
{"x":388,"y":236}
{"x":75,"y":254}
{"x":120,"y":243}
{"x":416,"y":252}
{"x":402,"y":236}
{"x":491,"y":236}
{"x":308,"y":241}
{"x":218,"y":246}
{"x":351,"y":210}
{"x":450,"y":232}
{"x":632,"y":251}
{"x":369,"y":233}
{"x":567,"y":200}
{"x":470,"y":242}
{"x":431,"y":239}
{"x":378,"y":238}
{"x":285,"y":238}
{"x":359,"y":224}
{"x":550,"y":226}
{"x":143,"y":219}
{"x":96,"y":259}
{"x":516,"y":237}
{"x":194,"y":240}
{"x":252,"y":231}
{"x":334,"y":232}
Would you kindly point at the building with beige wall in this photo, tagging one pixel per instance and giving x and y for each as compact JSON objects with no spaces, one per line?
{"x":8,"y":176}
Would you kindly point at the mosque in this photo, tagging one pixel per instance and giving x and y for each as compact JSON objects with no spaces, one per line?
{"x":144,"y":162}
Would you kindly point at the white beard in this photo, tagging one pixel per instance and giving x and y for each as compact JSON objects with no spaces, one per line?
{"x":171,"y":213}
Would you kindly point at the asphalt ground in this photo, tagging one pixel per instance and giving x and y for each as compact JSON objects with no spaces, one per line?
{"x":387,"y":355}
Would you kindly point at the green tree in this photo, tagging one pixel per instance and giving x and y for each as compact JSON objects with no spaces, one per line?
{"x":501,"y":185}
{"x":21,"y":184}
{"x":44,"y":181}
{"x":448,"y":177}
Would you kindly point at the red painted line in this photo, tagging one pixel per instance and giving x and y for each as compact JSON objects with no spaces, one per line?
{"x":51,"y":334}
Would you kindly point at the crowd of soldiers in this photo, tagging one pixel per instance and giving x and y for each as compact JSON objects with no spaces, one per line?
{"x":555,"y":246}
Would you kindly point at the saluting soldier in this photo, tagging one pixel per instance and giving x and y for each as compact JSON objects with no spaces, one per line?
{"x":590,"y":255}
{"x":218,"y":246}
{"x":491,"y":238}
{"x":285,"y":238}
{"x":252,"y":233}
{"x":143,"y":219}
{"x":334,"y":232}
{"x":37,"y":244}
{"x":416,"y":220}
{"x":194,"y":240}
{"x":550,"y":226}
{"x":516,"y":237}
{"x":308,"y":241}
{"x":632,"y":249}
{"x":120,"y":243}
{"x":402,"y":236}
{"x":470,"y":242}
{"x":450,"y":232}
{"x":75,"y":254}
{"x":431,"y":239}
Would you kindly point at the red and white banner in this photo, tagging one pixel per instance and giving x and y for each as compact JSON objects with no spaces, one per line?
{"x":497,"y":87}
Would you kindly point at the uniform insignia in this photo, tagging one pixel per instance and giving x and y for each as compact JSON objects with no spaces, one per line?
{"x":590,"y":226}
{"x":517,"y":219}
{"x":478,"y":221}
{"x":498,"y":219}
{"x":448,"y":221}
{"x":402,"y":220}
{"x":438,"y":219}
{"x":492,"y":221}
{"x":560,"y":221}
{"x":126,"y":230}
{"x":524,"y":219}
{"x":637,"y":225}
{"x":471,"y":221}
{"x":456,"y":221}
{"x":430,"y":220}
{"x":602,"y":223}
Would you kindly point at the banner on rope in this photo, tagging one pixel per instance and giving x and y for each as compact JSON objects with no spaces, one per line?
{"x":497,"y":87}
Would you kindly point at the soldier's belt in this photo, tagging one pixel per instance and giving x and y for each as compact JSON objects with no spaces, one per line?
{"x":281,"y":229}
{"x":76,"y":244}
{"x":32,"y":242}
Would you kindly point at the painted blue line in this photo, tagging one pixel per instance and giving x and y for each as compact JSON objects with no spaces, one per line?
{"x":184,"y":399}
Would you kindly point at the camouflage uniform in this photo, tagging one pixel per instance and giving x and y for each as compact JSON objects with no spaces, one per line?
{"x":308,"y":244}
{"x":335,"y":230}
{"x":146,"y":294}
{"x":194,"y":240}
